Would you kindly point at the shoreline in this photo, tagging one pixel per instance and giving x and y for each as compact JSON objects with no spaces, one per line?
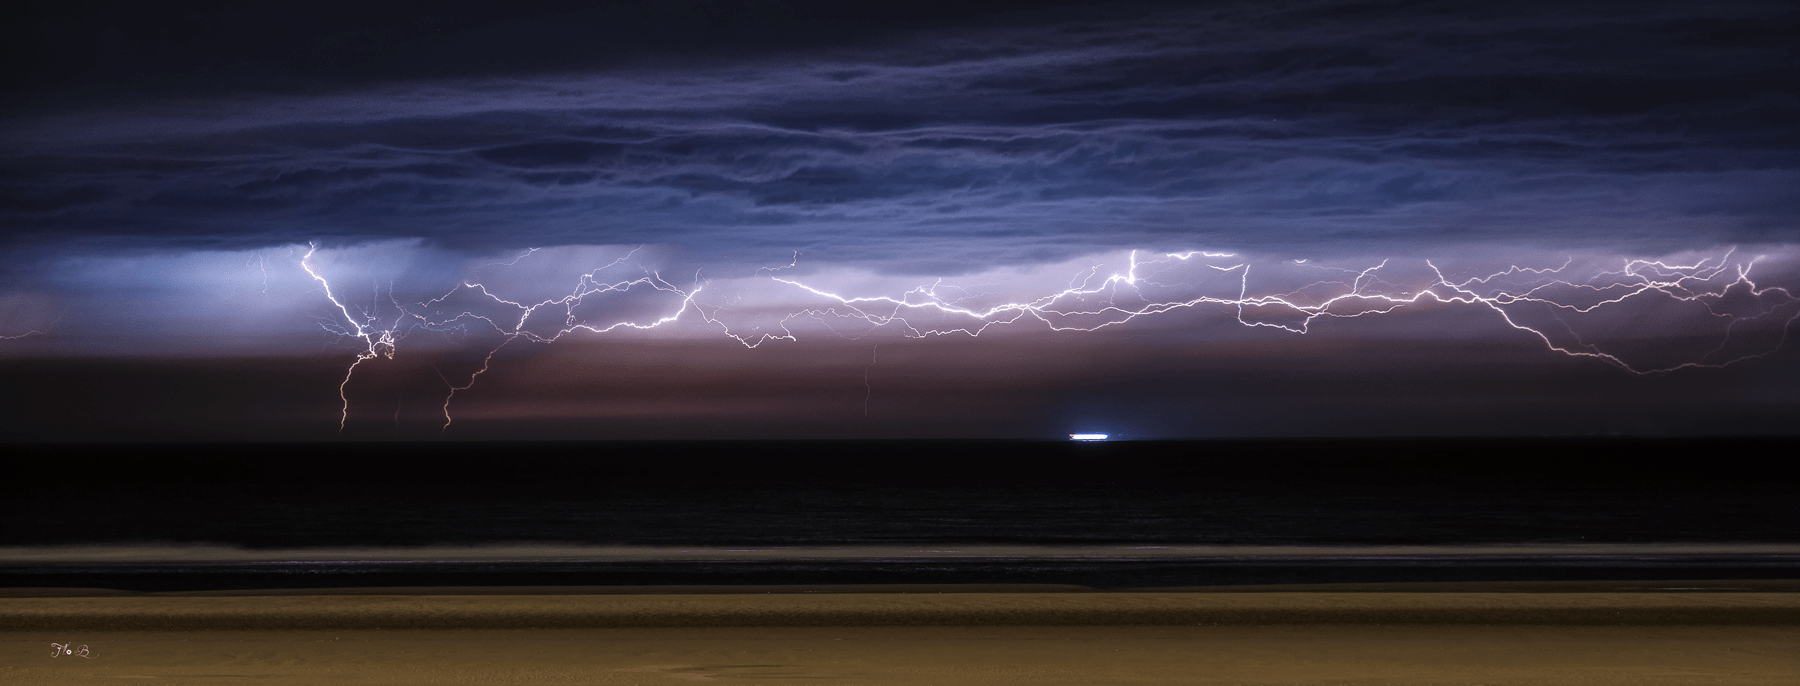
{"x":1763,"y":603}
{"x":1603,"y":586}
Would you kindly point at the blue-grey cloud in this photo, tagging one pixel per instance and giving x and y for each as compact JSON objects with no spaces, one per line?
{"x":1307,"y":126}
{"x":796,"y":190}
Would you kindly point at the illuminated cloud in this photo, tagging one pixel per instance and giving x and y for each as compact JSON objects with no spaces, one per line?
{"x":948,"y":177}
{"x":1002,"y":145}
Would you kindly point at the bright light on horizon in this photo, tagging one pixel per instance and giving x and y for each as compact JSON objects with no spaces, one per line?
{"x":1087,"y":437}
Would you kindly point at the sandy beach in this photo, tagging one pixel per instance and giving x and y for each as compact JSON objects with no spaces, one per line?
{"x":1592,"y":632}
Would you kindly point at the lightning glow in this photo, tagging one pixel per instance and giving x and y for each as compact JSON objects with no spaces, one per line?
{"x":377,"y":341}
{"x":1576,"y":315}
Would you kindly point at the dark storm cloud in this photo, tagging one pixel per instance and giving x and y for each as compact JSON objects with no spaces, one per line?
{"x":794,"y":218}
{"x":1036,"y":138}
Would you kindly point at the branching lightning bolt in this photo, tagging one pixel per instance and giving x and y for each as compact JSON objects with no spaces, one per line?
{"x":377,"y":342}
{"x":430,"y":316}
{"x":1693,"y":283}
{"x":1091,"y":302}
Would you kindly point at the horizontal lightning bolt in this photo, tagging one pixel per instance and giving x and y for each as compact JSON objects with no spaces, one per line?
{"x":1092,"y":302}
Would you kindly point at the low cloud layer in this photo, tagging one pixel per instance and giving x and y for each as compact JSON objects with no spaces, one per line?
{"x":1612,"y":183}
{"x":402,"y":339}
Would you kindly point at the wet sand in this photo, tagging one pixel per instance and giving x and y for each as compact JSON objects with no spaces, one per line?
{"x":1594,"y":632}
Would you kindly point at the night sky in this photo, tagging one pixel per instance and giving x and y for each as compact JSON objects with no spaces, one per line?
{"x":226,"y":221}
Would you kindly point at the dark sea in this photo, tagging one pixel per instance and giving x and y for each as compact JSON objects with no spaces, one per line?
{"x":1118,"y":514}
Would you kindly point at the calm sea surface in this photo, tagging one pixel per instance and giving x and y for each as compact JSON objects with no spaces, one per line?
{"x":1113,"y":515}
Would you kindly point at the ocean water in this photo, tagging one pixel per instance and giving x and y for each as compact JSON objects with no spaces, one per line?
{"x":1119,"y":514}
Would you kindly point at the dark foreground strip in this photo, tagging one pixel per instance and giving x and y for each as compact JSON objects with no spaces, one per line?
{"x":999,"y":609}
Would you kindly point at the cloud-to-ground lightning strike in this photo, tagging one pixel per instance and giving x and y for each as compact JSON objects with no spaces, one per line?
{"x":379,"y":341}
{"x":587,"y":286}
{"x":376,"y":341}
{"x":1540,"y":301}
